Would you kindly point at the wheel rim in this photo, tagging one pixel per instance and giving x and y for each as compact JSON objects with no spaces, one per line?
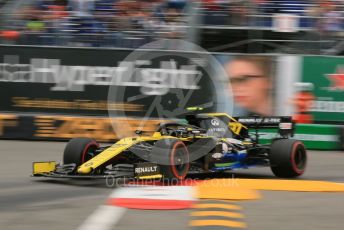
{"x":300,"y":159}
{"x":180,"y":160}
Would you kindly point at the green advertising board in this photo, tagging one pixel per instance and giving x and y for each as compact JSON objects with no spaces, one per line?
{"x":327,"y":76}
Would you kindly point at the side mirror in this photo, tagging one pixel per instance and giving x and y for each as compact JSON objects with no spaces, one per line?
{"x":138,"y":132}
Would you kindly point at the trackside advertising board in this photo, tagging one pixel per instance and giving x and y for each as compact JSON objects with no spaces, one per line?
{"x":327,"y":76}
{"x":50,"y":127}
{"x":77,"y":81}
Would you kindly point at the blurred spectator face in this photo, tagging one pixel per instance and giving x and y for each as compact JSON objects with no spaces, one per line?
{"x":250,"y":85}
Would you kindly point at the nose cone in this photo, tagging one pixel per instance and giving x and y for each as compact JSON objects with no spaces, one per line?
{"x":84,"y":169}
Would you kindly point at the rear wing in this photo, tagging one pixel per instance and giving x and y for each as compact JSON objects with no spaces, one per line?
{"x":285,"y":124}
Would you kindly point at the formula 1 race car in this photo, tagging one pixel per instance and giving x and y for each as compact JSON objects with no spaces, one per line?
{"x":206,"y":142}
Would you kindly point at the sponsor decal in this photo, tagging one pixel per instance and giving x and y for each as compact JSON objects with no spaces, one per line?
{"x":146,"y":169}
{"x":260,"y":120}
{"x":285,"y":125}
{"x":217,"y":155}
{"x":151,"y":169}
{"x":215,"y":130}
{"x":215,"y":122}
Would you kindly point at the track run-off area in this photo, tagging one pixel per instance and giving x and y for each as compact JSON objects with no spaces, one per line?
{"x":252,"y":198}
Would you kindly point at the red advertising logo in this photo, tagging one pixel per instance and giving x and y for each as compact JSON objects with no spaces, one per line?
{"x":337,"y":79}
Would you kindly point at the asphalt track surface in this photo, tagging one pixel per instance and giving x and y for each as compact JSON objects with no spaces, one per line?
{"x":31,"y":203}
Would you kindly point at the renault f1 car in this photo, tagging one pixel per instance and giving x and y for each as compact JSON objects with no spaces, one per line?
{"x":206,"y":142}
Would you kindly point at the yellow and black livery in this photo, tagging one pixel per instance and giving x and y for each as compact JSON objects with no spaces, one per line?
{"x":206,"y":142}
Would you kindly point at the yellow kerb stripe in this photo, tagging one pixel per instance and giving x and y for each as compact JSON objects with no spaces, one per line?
{"x":226,"y":223}
{"x":220,"y":200}
{"x":217,"y":213}
{"x":214,"y":205}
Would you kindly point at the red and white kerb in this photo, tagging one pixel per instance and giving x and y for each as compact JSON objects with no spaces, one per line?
{"x":153,"y":197}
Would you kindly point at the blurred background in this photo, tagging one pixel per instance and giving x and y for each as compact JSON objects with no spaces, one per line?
{"x":245,"y":26}
{"x":105,"y":68}
{"x":279,"y":57}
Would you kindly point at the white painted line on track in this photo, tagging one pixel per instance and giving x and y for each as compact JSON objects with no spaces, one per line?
{"x":104,"y":217}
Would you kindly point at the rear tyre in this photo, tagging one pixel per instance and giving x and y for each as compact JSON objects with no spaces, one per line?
{"x":79,"y":150}
{"x":174,"y":163}
{"x":288,"y":158}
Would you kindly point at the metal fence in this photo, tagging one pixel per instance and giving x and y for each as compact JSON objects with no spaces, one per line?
{"x":107,"y":27}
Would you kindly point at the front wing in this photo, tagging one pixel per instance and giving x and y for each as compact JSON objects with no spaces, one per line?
{"x":145,"y":170}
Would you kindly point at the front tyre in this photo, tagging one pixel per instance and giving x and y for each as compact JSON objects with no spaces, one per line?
{"x":79,"y":150}
{"x":288,"y":158}
{"x":174,"y":157}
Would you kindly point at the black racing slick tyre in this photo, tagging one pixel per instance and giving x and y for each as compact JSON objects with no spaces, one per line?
{"x":174,"y":155}
{"x":79,"y":150}
{"x":288,"y":158}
